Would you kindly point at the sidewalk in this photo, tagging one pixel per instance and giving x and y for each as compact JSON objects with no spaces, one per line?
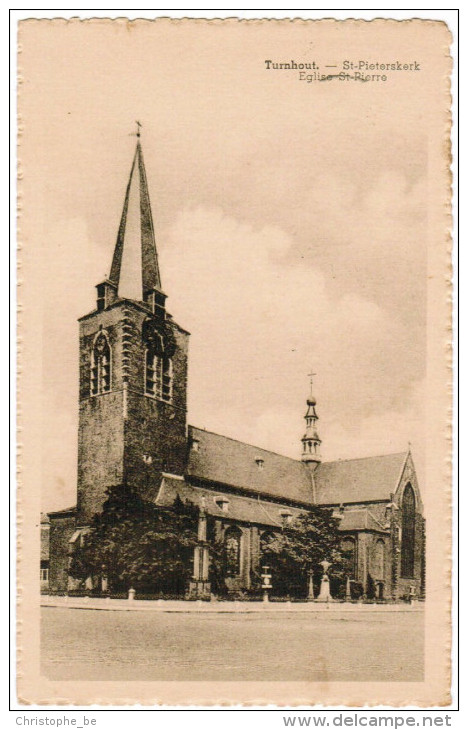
{"x":160,"y":606}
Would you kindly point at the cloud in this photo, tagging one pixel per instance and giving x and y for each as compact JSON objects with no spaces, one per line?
{"x":260,"y":322}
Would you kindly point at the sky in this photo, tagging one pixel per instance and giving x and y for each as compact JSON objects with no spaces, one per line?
{"x":290,"y":218}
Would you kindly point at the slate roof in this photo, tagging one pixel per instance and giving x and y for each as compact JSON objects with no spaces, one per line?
{"x":226,"y":461}
{"x":358,"y":480}
{"x":220,"y":460}
{"x":360,"y":519}
{"x":241,"y":508}
{"x":251,"y":510}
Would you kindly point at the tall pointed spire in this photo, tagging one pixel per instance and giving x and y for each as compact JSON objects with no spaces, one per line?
{"x":150,"y":276}
{"x":311,"y":440}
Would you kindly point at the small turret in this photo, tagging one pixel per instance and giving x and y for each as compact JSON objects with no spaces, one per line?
{"x":311,"y":440}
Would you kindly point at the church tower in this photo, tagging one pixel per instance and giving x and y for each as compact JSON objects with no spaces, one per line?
{"x":311,"y":440}
{"x":133,"y":369}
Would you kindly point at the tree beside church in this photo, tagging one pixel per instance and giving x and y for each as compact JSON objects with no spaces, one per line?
{"x":133,"y":543}
{"x":296,"y":554}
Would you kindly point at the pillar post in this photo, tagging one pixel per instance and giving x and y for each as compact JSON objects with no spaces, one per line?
{"x":199,"y":585}
{"x":196,"y":563}
{"x":205,"y":563}
{"x":348,"y":588}
{"x":202,"y":525}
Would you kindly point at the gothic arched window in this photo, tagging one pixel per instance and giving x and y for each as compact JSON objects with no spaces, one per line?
{"x":379,"y":560}
{"x":153,"y":373}
{"x":348,"y":546}
{"x":166,"y":392}
{"x":232,"y":550}
{"x":101,"y":366}
{"x":158,"y":375}
{"x":408,"y":507}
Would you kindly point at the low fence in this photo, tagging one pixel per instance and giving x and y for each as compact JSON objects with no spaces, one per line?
{"x":248,"y":599}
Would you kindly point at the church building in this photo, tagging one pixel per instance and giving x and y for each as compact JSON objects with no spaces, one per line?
{"x":133,"y":430}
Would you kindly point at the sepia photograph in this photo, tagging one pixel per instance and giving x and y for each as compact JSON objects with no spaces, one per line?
{"x":235,"y":362}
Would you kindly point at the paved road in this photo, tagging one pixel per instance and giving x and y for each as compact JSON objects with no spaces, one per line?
{"x":125,"y":646}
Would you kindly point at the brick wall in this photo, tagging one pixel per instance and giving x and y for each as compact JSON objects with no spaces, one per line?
{"x":61,"y":530}
{"x":153,"y":427}
{"x":100,"y":431}
{"x":100,"y":451}
{"x":394,"y":585}
{"x":118,"y":428}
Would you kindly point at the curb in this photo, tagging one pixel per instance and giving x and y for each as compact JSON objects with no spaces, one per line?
{"x":240,"y":609}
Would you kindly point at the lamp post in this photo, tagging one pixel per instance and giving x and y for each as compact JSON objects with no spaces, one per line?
{"x":266,"y":585}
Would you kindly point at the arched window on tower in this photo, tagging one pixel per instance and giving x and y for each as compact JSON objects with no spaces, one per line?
{"x":166,"y":392}
{"x":153,"y":373}
{"x":232,"y":550}
{"x":158,"y":375}
{"x":408,"y":507}
{"x":158,"y":364}
{"x":101,"y":366}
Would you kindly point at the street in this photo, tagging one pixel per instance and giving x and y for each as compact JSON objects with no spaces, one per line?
{"x":82,"y":644}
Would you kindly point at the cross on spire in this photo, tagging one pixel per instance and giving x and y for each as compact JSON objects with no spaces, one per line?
{"x":311,"y":375}
{"x":138,"y":129}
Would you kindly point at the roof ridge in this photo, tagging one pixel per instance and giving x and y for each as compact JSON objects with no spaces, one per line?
{"x":252,"y":446}
{"x":361,"y":458}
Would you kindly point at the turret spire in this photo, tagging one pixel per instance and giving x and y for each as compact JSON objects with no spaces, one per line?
{"x":311,"y":440}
